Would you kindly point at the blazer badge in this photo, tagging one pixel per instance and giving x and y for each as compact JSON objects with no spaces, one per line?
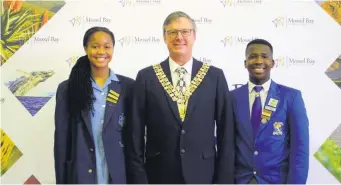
{"x":278,"y":128}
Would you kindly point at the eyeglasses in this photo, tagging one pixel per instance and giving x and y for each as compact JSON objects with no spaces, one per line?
{"x":184,"y":32}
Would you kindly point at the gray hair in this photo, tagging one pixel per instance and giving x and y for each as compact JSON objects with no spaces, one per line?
{"x":176,"y":15}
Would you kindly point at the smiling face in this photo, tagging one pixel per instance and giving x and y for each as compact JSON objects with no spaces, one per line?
{"x":259,"y":63}
{"x":99,"y":49}
{"x":179,"y":37}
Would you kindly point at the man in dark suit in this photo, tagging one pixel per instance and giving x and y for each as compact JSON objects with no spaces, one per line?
{"x":179,"y":102}
{"x":272,"y":125}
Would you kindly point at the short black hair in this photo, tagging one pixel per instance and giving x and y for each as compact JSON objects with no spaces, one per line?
{"x":259,"y":41}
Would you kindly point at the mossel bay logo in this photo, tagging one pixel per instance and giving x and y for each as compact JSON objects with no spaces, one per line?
{"x":236,"y":40}
{"x":231,"y":3}
{"x":226,"y":2}
{"x":286,"y":61}
{"x":72,"y":61}
{"x":279,"y":21}
{"x":43,"y":40}
{"x":131,"y":40}
{"x":205,"y":60}
{"x":76,"y":21}
{"x":80,"y":20}
{"x":282,"y":21}
{"x":228,"y":40}
{"x":133,"y":3}
{"x":203,"y":20}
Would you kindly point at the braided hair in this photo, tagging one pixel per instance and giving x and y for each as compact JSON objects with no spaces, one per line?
{"x":80,"y":93}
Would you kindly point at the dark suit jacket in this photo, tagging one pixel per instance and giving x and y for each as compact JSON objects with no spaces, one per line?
{"x":85,"y":161}
{"x":176,"y":151}
{"x":282,"y":143}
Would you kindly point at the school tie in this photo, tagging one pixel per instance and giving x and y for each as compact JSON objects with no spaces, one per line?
{"x":181,"y":88}
{"x":256,"y":110}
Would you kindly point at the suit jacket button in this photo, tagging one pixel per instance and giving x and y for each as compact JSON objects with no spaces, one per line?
{"x":120,"y":143}
{"x":90,"y":170}
{"x":183,"y":132}
{"x":182,"y":151}
{"x":91,"y":149}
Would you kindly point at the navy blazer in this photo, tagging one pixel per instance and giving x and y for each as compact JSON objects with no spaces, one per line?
{"x":176,"y":151}
{"x":85,"y":162}
{"x":280,"y":152}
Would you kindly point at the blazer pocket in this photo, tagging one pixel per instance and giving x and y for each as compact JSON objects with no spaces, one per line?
{"x":152,"y":154}
{"x":208,"y":154}
{"x":278,"y":138}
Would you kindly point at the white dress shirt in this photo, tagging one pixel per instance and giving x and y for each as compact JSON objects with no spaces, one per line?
{"x":263,"y":93}
{"x":175,"y":77}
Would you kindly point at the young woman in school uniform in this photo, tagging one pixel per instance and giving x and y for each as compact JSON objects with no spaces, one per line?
{"x":90,"y":112}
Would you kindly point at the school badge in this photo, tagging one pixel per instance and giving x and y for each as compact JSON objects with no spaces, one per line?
{"x":278,"y":129}
{"x":121,"y":120}
{"x":113,"y":96}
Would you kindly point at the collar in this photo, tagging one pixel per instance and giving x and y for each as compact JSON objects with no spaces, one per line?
{"x":266,"y":86}
{"x":188,"y":65}
{"x":112,"y":77}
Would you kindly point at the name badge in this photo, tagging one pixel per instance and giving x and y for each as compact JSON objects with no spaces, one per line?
{"x":273,"y":102}
{"x":270,"y":108}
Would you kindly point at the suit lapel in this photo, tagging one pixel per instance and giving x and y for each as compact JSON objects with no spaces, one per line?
{"x":274,"y":94}
{"x":172,"y":104}
{"x":195,"y":68}
{"x":86,"y":118}
{"x":109,"y":110}
{"x":193,"y":99}
{"x":243,"y":108}
{"x":110,"y":107}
